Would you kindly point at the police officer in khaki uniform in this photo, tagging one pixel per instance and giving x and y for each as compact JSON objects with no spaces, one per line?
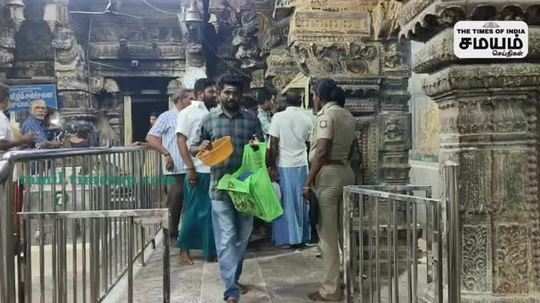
{"x":330,"y":154}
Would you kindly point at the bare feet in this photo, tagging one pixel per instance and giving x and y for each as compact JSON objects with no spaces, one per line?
{"x":185,"y":258}
{"x":316,"y":296}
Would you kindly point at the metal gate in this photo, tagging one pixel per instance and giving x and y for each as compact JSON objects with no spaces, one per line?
{"x":73,"y":222}
{"x":400,"y":244}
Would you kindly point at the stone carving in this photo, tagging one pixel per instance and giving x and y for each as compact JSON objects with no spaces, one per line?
{"x":474,"y":258}
{"x":7,"y":43}
{"x":393,"y":131}
{"x":35,"y":42}
{"x":511,"y":255}
{"x":245,"y":41}
{"x":193,"y":36}
{"x":481,"y":115}
{"x":353,"y":58}
{"x":195,"y":55}
{"x":385,"y":19}
{"x":418,"y":15}
{"x":475,"y":194}
{"x":411,"y":9}
{"x":280,"y":61}
{"x":69,"y":60}
{"x":393,"y":58}
{"x":276,"y":35}
{"x":482,"y":77}
{"x":489,"y":123}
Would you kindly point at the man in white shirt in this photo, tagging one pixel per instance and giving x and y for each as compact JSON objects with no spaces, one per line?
{"x":162,"y":137}
{"x":196,"y":230}
{"x":290,"y":131}
{"x":7,"y":141}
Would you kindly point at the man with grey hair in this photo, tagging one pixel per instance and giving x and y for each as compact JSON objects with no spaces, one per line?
{"x":162,"y":138}
{"x":7,"y":141}
{"x":35,"y":125}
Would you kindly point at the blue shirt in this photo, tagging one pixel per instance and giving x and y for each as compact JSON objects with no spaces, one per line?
{"x":242,"y":126}
{"x":37,"y":127}
{"x":165,"y":128}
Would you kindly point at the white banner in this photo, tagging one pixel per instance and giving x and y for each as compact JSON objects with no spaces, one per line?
{"x":491,"y":39}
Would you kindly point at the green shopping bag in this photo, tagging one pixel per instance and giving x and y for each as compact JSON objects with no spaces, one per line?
{"x":250,"y":187}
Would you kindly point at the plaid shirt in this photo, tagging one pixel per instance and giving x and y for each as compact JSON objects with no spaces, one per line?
{"x":241,"y":127}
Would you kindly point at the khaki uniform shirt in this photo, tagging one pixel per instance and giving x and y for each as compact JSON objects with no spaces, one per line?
{"x":337,"y":124}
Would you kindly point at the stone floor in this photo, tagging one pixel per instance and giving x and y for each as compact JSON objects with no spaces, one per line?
{"x":275,"y":276}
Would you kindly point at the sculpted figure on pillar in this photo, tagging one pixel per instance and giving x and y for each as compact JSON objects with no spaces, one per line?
{"x":386,"y":19}
{"x":70,"y":68}
{"x":245,"y":40}
{"x":193,"y":27}
{"x":237,"y":27}
{"x":11,"y":18}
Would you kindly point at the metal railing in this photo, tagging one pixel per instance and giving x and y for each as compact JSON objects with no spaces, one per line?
{"x":396,"y":242}
{"x":74,"y":221}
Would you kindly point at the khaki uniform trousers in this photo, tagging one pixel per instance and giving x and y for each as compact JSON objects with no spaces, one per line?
{"x":329,"y":190}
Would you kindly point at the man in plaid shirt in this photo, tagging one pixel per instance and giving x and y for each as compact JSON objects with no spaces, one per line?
{"x":231,"y":229}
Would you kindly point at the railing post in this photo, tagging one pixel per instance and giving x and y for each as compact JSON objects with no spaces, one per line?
{"x":166,"y":265}
{"x":453,"y":232}
{"x":347,"y":245}
{"x":131,"y":239}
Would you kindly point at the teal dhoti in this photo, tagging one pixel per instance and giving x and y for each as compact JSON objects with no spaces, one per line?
{"x":195,"y":231}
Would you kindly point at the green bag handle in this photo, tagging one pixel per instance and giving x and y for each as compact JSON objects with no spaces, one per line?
{"x":252,"y":159}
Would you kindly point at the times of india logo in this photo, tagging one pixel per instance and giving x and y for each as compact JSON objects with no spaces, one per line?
{"x":491,"y":39}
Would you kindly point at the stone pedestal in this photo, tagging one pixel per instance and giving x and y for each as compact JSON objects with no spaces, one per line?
{"x":489,"y":127}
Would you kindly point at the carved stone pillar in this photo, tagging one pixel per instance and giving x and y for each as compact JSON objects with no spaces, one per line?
{"x":9,"y":24}
{"x":340,"y":40}
{"x":489,"y":127}
{"x":193,"y":27}
{"x":78,"y":104}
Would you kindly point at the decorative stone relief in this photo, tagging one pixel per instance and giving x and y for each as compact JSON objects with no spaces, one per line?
{"x":354,"y":58}
{"x":7,"y":43}
{"x":511,"y":255}
{"x":460,"y":77}
{"x":475,"y":194}
{"x":245,"y":41}
{"x":475,"y":258}
{"x":417,"y":16}
{"x":385,"y":19}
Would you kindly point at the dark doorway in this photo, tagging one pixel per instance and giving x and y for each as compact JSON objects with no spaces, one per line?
{"x":141,"y":108}
{"x":148,"y":95}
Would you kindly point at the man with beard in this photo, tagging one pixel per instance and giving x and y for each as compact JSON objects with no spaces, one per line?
{"x":196,"y":227}
{"x":231,"y":228}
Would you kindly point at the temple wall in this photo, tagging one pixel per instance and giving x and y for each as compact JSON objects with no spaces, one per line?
{"x":424,"y":154}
